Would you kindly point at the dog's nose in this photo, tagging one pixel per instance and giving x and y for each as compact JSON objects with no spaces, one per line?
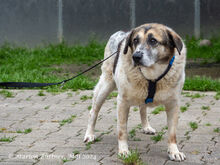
{"x":137,"y":57}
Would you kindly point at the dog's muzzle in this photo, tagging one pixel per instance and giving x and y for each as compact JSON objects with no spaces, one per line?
{"x":137,"y":56}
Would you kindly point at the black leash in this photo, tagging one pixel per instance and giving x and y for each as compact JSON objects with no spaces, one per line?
{"x":31,"y":85}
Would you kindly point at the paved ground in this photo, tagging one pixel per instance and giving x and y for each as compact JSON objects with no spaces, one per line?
{"x":58,"y":124}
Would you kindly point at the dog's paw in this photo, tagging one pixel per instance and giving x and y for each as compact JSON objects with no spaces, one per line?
{"x":124,"y":153}
{"x":149,"y":130}
{"x":174,"y":153}
{"x":89,"y":138}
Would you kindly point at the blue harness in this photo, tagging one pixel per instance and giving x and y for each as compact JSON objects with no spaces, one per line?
{"x":152,"y":83}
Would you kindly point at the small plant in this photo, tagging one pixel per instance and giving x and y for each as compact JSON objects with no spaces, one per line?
{"x":193,"y":125}
{"x":6,"y":139}
{"x":217,"y":96}
{"x":85,"y":97}
{"x":26,"y":131}
{"x":207,"y":124}
{"x":69,"y":94}
{"x":47,"y":107}
{"x":183,"y":108}
{"x":158,"y":110}
{"x":111,"y":95}
{"x":217,"y":130}
{"x":89,"y":107}
{"x":135,"y":109}
{"x":88,"y":145}
{"x":132,"y":133}
{"x":133,"y":158}
{"x":76,"y":152}
{"x":158,"y":137}
{"x":205,"y":108}
{"x":41,"y":93}
{"x":69,"y":120}
{"x":6,"y":93}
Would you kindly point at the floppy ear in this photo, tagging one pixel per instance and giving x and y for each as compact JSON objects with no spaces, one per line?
{"x":128,"y":42}
{"x":175,"y":41}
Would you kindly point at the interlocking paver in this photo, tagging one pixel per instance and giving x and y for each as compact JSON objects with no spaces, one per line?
{"x":53,"y":143}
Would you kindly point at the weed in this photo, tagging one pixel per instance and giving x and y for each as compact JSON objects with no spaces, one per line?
{"x":88,"y":145}
{"x":76,"y":152}
{"x":217,"y":96}
{"x":47,"y":107}
{"x":26,"y":131}
{"x":158,"y":137}
{"x":205,"y":108}
{"x":111,"y":95}
{"x":6,"y":139}
{"x":85,"y":97}
{"x":207,"y":124}
{"x":6,"y":93}
{"x":69,"y":94}
{"x":183,"y":108}
{"x":133,"y":158}
{"x":158,"y":110}
{"x":69,"y":120}
{"x":89,"y":107}
{"x":193,"y":125}
{"x":132,"y":133}
{"x":217,"y":130}
{"x":41,"y":93}
{"x":135,"y":109}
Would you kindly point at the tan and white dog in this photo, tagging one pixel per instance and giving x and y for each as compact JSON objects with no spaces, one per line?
{"x":143,"y":54}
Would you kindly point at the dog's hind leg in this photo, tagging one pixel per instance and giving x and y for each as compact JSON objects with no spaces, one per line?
{"x":105,"y":85}
{"x":144,"y":121}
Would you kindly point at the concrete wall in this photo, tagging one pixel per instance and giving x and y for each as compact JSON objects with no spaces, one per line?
{"x":35,"y":22}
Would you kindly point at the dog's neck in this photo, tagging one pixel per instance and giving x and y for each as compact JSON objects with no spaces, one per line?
{"x":153,"y":72}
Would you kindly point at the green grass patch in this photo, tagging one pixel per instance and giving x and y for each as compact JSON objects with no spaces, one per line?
{"x":85,"y":97}
{"x":205,"y":108}
{"x":217,"y":130}
{"x":217,"y":96}
{"x":133,"y":158}
{"x":6,"y":139}
{"x":135,"y":109}
{"x":208,"y":124}
{"x":6,"y":93}
{"x":26,"y":131}
{"x":41,"y":93}
{"x":193,"y":125}
{"x":69,"y":120}
{"x":89,"y":107}
{"x":198,"y":83}
{"x":88,"y":145}
{"x":183,"y":108}
{"x":112,"y":94}
{"x":158,"y":110}
{"x":194,"y":51}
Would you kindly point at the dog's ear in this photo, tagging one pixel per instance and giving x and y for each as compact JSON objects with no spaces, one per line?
{"x":175,"y":41}
{"x":128,"y":42}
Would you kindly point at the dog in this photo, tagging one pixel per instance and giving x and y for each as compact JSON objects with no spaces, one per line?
{"x":143,"y":55}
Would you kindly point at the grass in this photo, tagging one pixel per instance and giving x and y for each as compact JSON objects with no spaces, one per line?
{"x":158,"y":110}
{"x":217,"y":130}
{"x":205,"y":108}
{"x":85,"y":97}
{"x":41,"y":93}
{"x":44,"y":64}
{"x":198,"y":83}
{"x":88,"y":145}
{"x":208,"y":124}
{"x":193,"y":125}
{"x":6,"y":139}
{"x":217,"y":96}
{"x":131,"y":159}
{"x":26,"y":131}
{"x":183,"y":108}
{"x":6,"y":93}
{"x":68,"y":120}
{"x":112,"y":94}
{"x":194,"y":51}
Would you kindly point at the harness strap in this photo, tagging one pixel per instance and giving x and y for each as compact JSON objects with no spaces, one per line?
{"x":152,"y":84}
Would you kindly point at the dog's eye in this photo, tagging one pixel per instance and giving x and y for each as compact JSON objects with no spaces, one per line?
{"x":135,"y":41}
{"x":153,"y":41}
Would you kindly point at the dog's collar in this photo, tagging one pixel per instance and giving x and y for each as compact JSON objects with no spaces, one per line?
{"x":152,"y":83}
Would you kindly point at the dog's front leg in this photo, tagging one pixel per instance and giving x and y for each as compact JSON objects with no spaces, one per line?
{"x":122,"y":115}
{"x":172,"y":120}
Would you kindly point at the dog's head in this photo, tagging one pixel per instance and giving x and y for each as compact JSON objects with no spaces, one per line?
{"x":151,"y":43}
